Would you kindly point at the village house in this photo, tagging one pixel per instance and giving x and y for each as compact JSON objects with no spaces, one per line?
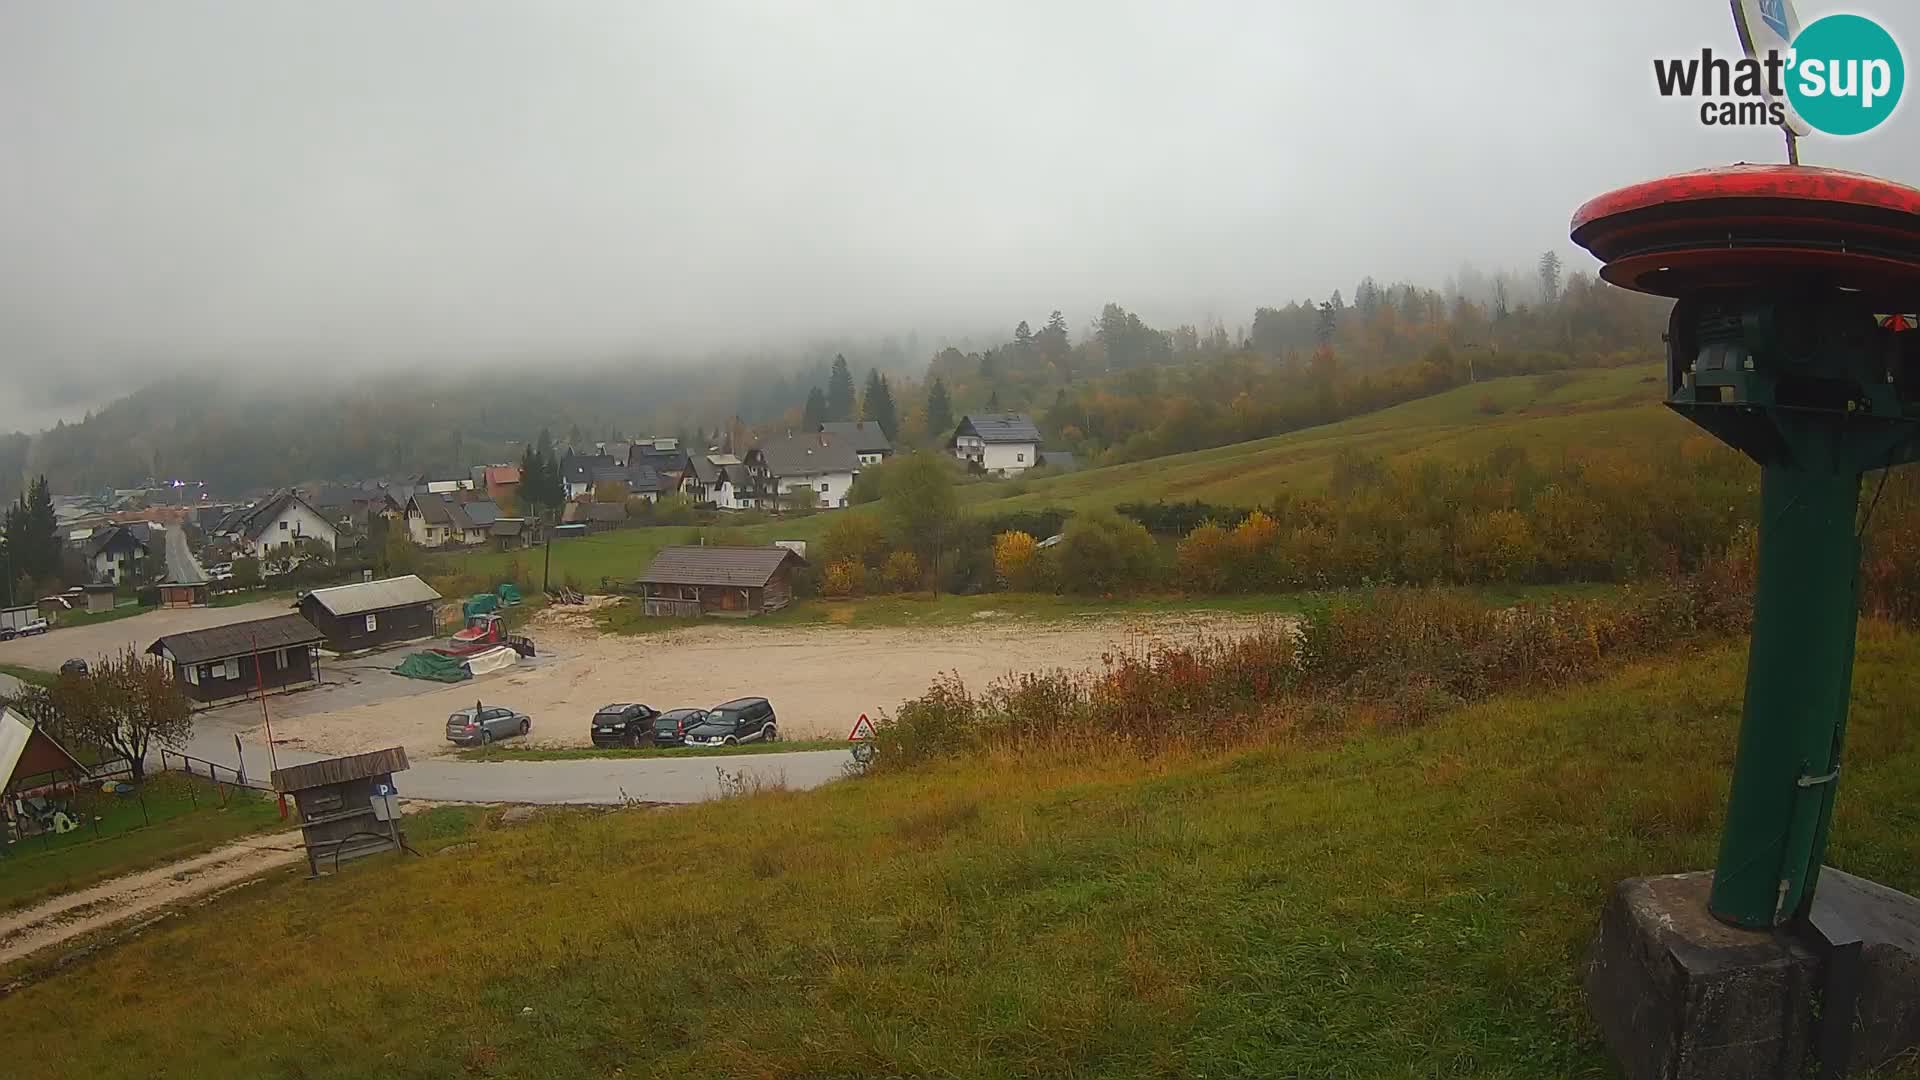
{"x":577,"y":472}
{"x":715,"y":580}
{"x":717,"y":480}
{"x":501,"y":482}
{"x":281,"y":520}
{"x":435,"y":521}
{"x":664,"y":457}
{"x":869,"y":443}
{"x":819,"y":462}
{"x":371,"y":613}
{"x":242,"y":660}
{"x":1002,"y":443}
{"x":118,"y":554}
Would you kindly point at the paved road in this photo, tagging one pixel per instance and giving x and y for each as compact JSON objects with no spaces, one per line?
{"x":585,"y":781}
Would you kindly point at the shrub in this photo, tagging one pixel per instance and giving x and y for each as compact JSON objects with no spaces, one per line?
{"x":902,"y":572}
{"x":844,"y":578}
{"x":1015,"y":560}
{"x":1102,"y":553}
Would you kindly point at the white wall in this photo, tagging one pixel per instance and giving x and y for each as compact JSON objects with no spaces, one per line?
{"x":1009,"y":457}
{"x":294,"y":522}
{"x":836,"y":484}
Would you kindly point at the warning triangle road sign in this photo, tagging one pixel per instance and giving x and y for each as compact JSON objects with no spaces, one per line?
{"x":862,"y":729}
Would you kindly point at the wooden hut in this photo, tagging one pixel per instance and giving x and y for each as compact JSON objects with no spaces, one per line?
{"x":348,"y":805}
{"x":713,"y":580}
{"x":370,"y":614}
{"x":239,"y":660}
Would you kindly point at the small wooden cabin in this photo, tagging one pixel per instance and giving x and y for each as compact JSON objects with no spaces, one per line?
{"x":367,"y":615}
{"x":237,"y":661}
{"x":713,"y":580}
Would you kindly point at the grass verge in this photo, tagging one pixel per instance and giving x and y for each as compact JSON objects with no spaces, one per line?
{"x":28,"y":675}
{"x":188,"y":815}
{"x":579,"y":753}
{"x":1352,"y":903}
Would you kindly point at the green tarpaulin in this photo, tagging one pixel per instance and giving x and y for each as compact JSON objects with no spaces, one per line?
{"x":479,"y":604}
{"x":426,"y":665}
{"x":509,"y":594}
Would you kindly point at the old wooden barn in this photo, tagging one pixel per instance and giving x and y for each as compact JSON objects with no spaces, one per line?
{"x":735,"y":581}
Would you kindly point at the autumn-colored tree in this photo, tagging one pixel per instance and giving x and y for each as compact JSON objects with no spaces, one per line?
{"x":856,"y":538}
{"x":1015,"y":560}
{"x":843,"y":579}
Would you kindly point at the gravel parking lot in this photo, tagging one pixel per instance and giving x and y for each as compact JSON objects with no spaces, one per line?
{"x":55,"y":647}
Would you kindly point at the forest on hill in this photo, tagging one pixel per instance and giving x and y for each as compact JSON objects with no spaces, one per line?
{"x":1116,"y":390}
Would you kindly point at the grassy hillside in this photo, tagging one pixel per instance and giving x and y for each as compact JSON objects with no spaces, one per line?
{"x":1389,"y":904}
{"x":1547,"y":414}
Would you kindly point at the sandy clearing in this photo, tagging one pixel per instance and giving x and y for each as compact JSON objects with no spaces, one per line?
{"x":820,"y":679}
{"x":63,"y":918}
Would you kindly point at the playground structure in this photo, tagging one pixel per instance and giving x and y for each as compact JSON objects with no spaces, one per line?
{"x":1787,"y":342}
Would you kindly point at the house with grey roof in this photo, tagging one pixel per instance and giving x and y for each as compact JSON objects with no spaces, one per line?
{"x":781,"y":469}
{"x":715,"y":580}
{"x":436,"y":521}
{"x":369,"y":614}
{"x":240,"y":660}
{"x":717,"y":480}
{"x":870,"y":444}
{"x":281,"y":520}
{"x":1001,"y":443}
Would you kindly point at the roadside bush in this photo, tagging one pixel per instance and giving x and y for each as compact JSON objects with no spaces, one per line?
{"x":902,"y":571}
{"x":844,"y":578}
{"x":1103,"y":553}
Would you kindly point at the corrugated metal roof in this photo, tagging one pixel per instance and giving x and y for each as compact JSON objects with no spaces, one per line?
{"x":374,"y":595}
{"x":238,"y":639}
{"x":1008,"y":427}
{"x":742,"y":566}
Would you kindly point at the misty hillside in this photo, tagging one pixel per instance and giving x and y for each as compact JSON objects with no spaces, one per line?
{"x":1122,"y":390}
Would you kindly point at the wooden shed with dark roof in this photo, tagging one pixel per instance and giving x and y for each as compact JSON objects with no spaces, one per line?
{"x":714,"y":580}
{"x":237,"y":661}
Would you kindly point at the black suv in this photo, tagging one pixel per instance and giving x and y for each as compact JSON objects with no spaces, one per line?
{"x":743,"y":720}
{"x":623,"y":725}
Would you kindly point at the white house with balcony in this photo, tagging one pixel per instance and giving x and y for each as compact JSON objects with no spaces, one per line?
{"x":999,"y":443}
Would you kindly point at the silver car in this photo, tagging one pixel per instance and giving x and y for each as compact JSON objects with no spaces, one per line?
{"x":482,"y":724}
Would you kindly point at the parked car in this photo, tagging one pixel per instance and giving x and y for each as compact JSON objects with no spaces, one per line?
{"x":484,"y":723}
{"x":731,"y":723}
{"x":670,"y":728}
{"x":74,"y":667}
{"x":37,"y":626}
{"x":623,"y":725}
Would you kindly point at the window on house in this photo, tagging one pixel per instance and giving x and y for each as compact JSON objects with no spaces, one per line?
{"x":283,"y":526}
{"x":823,"y":489}
{"x":193,"y":674}
{"x":373,"y":623}
{"x":230,"y":669}
{"x":1019,"y":457}
{"x":280,"y":660}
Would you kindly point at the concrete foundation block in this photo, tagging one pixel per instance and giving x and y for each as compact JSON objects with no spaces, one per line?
{"x":1680,"y":995}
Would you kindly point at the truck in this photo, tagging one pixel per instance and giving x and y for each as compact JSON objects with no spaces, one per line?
{"x":485,"y":630}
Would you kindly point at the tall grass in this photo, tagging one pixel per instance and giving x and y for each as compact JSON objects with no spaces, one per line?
{"x":1389,"y":658}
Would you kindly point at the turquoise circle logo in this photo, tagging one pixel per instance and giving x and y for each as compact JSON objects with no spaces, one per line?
{"x":1846,"y":75}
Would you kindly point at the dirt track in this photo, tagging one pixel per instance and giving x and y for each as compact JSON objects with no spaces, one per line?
{"x":819,"y":679}
{"x":66,"y":917}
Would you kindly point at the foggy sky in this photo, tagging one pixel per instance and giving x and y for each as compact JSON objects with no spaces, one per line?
{"x":363,"y":184}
